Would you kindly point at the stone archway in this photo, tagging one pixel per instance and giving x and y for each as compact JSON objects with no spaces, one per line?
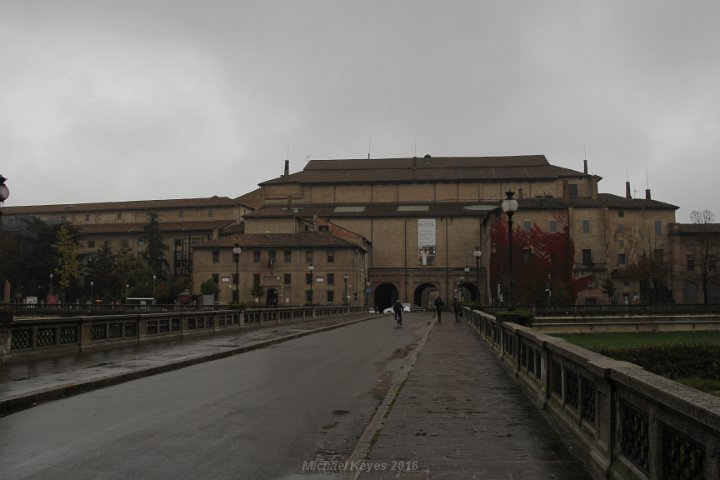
{"x":425,"y":294}
{"x":385,"y":295}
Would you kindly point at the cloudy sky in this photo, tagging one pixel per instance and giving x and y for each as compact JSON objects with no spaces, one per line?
{"x":150,"y":99}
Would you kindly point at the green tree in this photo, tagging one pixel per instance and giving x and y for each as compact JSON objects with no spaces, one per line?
{"x":155,"y":249}
{"x":209,"y":287}
{"x":134,"y":275}
{"x":67,"y":251}
{"x":100,"y":268}
{"x":257,"y":291}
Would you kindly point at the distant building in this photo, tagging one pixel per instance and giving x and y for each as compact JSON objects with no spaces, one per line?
{"x":410,"y":228}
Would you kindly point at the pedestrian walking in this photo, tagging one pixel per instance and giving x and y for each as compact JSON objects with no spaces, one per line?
{"x":457,"y":309}
{"x":398,"y":308}
{"x":439,"y":304}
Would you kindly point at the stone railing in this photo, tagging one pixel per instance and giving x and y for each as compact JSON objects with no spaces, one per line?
{"x":34,"y":338}
{"x":627,"y":422}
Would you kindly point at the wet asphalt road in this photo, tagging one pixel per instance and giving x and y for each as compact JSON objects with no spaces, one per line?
{"x":259,"y":415}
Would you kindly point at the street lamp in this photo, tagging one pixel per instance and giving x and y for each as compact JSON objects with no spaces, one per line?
{"x":236,"y":257}
{"x":4,"y":194}
{"x":154,"y":278}
{"x":347,"y":299}
{"x":51,"y":285}
{"x":510,"y":206}
{"x":311,"y":269}
{"x":477,"y":253}
{"x":91,"y":291}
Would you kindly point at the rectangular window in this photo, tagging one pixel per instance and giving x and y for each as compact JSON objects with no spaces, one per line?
{"x":308,"y":278}
{"x":125,"y":243}
{"x":271,"y":258}
{"x":235,"y":278}
{"x":216,"y":256}
{"x":216,"y":278}
{"x":621,"y":259}
{"x":690,"y":263}
{"x":211,"y":213}
{"x":288,"y":256}
{"x":331,"y":279}
{"x":308,"y":296}
{"x":587,"y":256}
{"x":256,"y":256}
{"x":87,"y":218}
{"x":622,"y":243}
{"x":586,"y":226}
{"x":287,"y":278}
{"x":91,"y":244}
{"x":573,"y":190}
{"x":330,"y":296}
{"x":308,"y":257}
{"x":119,"y":216}
{"x":621,"y":228}
{"x":658,"y":227}
{"x":553,"y":226}
{"x":331,"y":256}
{"x":621,"y":213}
{"x":256,"y":279}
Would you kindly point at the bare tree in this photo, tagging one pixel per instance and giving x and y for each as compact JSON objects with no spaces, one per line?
{"x":706,"y":230}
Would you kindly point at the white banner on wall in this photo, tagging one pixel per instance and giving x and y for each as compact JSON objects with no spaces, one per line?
{"x":426,"y":241}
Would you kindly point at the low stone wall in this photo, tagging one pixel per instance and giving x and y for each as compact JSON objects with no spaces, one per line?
{"x":629,"y":423}
{"x":34,"y":338}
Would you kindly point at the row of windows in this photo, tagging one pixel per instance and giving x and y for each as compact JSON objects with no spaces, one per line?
{"x":553,"y":226}
{"x":328,"y":279}
{"x":272,"y":256}
{"x":106,"y":243}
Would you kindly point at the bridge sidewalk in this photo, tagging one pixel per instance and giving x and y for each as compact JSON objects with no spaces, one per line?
{"x":459,"y":415}
{"x":26,"y":383}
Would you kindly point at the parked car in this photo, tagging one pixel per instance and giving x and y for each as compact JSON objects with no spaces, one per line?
{"x":407,"y":307}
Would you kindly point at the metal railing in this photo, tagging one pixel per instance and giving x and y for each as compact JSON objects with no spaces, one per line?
{"x":631,"y":423}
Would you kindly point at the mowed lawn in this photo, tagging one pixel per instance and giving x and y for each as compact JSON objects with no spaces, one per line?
{"x":617,"y":345}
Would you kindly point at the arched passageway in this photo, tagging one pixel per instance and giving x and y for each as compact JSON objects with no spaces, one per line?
{"x":385,"y":295}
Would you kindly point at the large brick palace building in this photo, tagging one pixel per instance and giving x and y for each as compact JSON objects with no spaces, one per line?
{"x":366,"y":231}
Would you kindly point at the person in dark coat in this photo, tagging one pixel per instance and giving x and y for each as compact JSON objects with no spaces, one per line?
{"x":457,"y":308}
{"x":398,"y":308}
{"x":439,"y":304}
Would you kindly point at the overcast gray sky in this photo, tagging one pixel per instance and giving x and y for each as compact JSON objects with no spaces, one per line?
{"x":138,"y":100}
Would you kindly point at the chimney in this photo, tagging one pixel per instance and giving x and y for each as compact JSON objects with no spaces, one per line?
{"x":585,"y":166}
{"x":647,"y":194}
{"x":627,"y":190}
{"x":287,"y":168}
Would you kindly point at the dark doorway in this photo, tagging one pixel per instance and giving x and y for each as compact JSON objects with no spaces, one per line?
{"x":385,"y":295}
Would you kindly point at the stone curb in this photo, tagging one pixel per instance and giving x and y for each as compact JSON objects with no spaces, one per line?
{"x":25,"y":401}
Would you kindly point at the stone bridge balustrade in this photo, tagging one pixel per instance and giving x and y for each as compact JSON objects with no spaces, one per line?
{"x":36,"y":338}
{"x":627,"y":422}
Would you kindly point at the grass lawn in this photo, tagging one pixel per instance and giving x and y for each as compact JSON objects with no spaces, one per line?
{"x":595,"y":341}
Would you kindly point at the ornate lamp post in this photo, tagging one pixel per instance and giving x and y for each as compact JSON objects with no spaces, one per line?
{"x":91,"y":291}
{"x":154,"y":278}
{"x":477,"y":253}
{"x":463,"y":290}
{"x":51,"y":284}
{"x":510,"y":206}
{"x":311,"y":269}
{"x":236,"y":257}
